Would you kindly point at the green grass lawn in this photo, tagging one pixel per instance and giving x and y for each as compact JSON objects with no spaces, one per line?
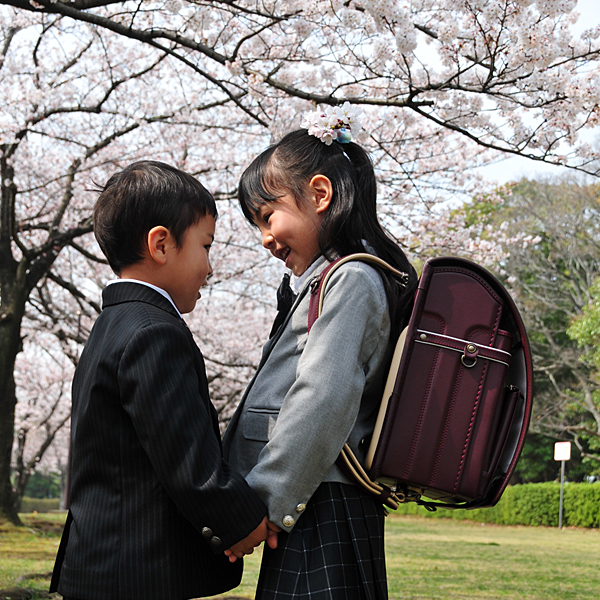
{"x":433,"y":559}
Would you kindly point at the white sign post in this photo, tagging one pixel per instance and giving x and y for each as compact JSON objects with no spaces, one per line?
{"x":562,"y":452}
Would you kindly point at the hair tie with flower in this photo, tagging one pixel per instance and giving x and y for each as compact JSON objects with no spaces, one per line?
{"x":334,"y":123}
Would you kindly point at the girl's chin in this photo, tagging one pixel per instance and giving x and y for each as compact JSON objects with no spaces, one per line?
{"x":296,"y":270}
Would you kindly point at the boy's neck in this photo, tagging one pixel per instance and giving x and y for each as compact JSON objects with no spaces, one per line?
{"x":142,"y":272}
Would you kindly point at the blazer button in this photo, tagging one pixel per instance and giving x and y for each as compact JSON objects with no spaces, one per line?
{"x":207,"y":532}
{"x":300,"y":508}
{"x":215,"y":541}
{"x":288,"y":520}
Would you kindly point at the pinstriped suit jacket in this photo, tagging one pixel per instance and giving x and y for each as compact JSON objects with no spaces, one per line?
{"x":147,"y":473}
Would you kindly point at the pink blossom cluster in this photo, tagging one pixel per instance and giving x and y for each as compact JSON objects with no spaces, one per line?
{"x":335,"y":123}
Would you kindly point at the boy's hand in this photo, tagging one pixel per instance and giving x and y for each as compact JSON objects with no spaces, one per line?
{"x":272,"y":535}
{"x":265,"y":531}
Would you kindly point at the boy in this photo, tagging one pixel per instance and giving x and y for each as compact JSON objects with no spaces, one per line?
{"x":153,"y":505}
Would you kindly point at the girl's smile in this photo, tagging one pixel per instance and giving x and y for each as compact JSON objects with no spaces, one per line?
{"x":290,"y":229}
{"x":290,"y":232}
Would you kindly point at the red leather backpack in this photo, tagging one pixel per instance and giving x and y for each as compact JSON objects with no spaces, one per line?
{"x":457,"y":401}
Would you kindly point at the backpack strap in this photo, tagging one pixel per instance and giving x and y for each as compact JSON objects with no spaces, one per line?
{"x":347,"y":460}
{"x":317,"y":290}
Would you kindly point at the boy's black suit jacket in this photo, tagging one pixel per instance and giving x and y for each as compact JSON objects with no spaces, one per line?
{"x":153,"y":503}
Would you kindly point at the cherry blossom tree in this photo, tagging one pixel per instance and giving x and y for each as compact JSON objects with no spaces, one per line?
{"x":89,"y":86}
{"x":71,"y":117}
{"x":505,"y":74}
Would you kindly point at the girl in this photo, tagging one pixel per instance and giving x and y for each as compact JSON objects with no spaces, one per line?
{"x":314,"y":199}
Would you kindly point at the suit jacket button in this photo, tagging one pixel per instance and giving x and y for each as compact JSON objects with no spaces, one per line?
{"x":288,"y":520}
{"x":207,"y":532}
{"x":215,"y":541}
{"x":300,"y":508}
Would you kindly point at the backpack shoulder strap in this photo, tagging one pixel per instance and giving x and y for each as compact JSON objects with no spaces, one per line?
{"x":317,"y":292}
{"x":347,"y":461}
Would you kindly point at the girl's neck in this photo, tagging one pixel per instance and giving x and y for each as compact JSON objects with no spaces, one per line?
{"x":298,"y":282}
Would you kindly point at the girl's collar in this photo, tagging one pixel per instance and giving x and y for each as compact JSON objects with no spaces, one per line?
{"x":319,"y":263}
{"x":298,"y":282}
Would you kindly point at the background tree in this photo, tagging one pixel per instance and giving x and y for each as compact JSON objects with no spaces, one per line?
{"x":585,"y":330}
{"x":89,"y":86}
{"x":71,"y":117}
{"x":505,"y":74}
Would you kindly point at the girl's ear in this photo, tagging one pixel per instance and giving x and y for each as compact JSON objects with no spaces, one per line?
{"x":159,"y":239}
{"x":321,"y":191}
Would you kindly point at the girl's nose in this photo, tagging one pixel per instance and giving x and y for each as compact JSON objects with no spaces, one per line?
{"x":267,"y":239}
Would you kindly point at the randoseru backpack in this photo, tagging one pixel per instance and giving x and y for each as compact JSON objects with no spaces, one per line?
{"x":457,"y":401}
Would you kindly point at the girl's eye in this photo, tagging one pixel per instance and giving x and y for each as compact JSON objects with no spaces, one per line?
{"x":266,"y":217}
{"x":207,"y":248}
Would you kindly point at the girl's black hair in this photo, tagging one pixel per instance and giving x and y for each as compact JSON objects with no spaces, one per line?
{"x":351,"y":218}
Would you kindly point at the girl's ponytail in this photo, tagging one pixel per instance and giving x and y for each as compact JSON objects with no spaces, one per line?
{"x":368,"y":229}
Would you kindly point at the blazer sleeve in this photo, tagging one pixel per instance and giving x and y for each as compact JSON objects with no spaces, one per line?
{"x":160,"y":390}
{"x":320,"y":409}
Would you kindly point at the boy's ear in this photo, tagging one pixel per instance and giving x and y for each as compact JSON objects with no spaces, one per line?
{"x":158,"y":239}
{"x":321,"y":190}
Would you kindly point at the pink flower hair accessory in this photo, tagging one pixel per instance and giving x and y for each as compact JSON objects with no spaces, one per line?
{"x":334,"y":123}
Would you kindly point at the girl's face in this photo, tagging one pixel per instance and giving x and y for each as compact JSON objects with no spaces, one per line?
{"x":291,"y":232}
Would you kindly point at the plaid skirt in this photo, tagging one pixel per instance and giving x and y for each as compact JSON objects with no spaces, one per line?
{"x":335,"y":551}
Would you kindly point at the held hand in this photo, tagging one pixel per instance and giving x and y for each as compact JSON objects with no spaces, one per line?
{"x":272,"y":535}
{"x":247,"y":545}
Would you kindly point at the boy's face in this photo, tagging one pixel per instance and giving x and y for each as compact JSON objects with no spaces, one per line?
{"x":190,"y":265}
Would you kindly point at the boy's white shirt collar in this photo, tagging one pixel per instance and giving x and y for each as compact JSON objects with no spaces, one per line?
{"x":155,"y":288}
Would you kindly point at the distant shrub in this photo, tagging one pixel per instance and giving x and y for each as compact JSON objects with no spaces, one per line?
{"x":582,"y":504}
{"x":530,"y":504}
{"x":40,"y":505}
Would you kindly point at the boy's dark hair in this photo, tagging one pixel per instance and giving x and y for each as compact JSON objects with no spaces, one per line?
{"x":144,"y":195}
{"x":351,"y":218}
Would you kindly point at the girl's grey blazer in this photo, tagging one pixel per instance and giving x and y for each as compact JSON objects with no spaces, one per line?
{"x":312,"y":393}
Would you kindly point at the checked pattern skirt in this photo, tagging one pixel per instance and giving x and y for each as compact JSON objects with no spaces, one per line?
{"x":335,"y":551}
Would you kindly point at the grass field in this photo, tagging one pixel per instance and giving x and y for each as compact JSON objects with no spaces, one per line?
{"x":432,"y":559}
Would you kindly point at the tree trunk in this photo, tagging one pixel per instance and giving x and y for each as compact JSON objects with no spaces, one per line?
{"x":8,"y":401}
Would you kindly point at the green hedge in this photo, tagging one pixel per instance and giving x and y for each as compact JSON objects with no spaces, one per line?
{"x":40,"y":505}
{"x":530,"y":504}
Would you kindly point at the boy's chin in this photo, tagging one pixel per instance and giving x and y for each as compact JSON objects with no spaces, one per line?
{"x":188,"y":308}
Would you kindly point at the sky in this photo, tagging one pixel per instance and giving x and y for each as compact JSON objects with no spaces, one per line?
{"x":515,"y":168}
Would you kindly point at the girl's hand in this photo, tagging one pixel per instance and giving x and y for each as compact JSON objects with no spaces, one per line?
{"x":247,"y":545}
{"x":266,"y":531}
{"x":272,"y":535}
